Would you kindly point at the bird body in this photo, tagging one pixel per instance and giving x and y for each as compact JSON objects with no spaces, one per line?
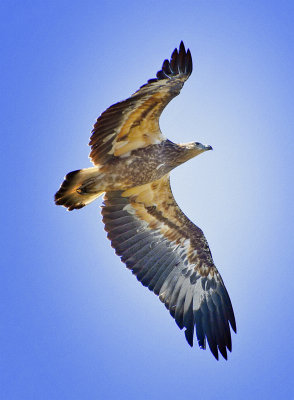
{"x":153,"y":237}
{"x":143,"y":166}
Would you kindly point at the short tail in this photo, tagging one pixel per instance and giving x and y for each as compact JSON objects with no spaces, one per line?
{"x":72,"y":194}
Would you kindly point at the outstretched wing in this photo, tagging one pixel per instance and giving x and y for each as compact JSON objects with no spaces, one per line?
{"x":170,"y":255}
{"x":134,"y":122}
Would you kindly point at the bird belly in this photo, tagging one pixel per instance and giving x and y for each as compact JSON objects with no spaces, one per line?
{"x":130,"y":173}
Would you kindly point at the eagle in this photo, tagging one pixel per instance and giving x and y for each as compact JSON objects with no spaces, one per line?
{"x":153,"y":237}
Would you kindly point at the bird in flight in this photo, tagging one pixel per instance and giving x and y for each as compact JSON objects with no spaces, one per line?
{"x":154,"y":238}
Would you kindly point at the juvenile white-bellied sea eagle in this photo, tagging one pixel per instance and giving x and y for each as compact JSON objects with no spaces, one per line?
{"x":153,"y":237}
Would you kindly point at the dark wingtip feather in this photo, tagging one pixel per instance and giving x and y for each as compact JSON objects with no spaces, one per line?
{"x":233,"y":322}
{"x":189,"y":336}
{"x":214,"y":352}
{"x":189,"y":64}
{"x":174,"y":62}
{"x":182,"y":47}
{"x":166,"y":67}
{"x":223,"y":352}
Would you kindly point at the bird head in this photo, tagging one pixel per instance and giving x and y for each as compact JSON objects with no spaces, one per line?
{"x":192,"y":149}
{"x":196,"y":148}
{"x":199,"y":147}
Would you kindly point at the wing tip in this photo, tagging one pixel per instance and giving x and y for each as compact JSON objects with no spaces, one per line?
{"x":180,"y":64}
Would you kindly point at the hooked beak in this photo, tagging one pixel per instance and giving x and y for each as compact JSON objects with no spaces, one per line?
{"x":203,"y":147}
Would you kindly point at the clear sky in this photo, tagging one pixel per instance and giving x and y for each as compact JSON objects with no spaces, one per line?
{"x":75,"y":323}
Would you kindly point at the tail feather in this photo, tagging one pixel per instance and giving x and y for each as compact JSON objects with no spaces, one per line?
{"x":71,"y":195}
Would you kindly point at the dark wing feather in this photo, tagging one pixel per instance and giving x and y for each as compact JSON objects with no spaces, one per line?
{"x":134,"y":122}
{"x":170,"y":255}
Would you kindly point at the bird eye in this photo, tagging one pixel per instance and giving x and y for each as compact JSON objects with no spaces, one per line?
{"x":197,"y":143}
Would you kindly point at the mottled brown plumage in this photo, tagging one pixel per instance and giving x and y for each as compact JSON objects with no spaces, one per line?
{"x":162,"y":247}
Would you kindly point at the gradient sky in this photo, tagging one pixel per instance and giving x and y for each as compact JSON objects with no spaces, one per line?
{"x":75,"y":323}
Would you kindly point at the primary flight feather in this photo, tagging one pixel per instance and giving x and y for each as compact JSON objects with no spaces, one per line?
{"x":153,"y":237}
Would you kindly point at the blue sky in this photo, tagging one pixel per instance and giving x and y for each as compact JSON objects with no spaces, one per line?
{"x":75,"y":323}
